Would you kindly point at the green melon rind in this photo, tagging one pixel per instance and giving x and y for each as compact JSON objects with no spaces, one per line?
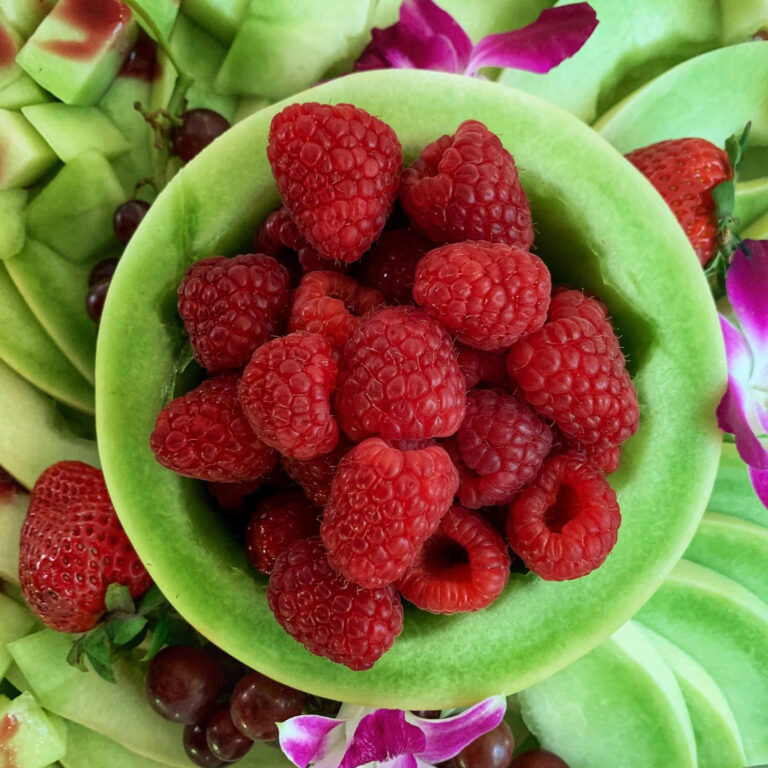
{"x":675,"y":345}
{"x":619,"y":705}
{"x":718,"y":742}
{"x":13,"y":512}
{"x":724,"y":627}
{"x":733,"y":493}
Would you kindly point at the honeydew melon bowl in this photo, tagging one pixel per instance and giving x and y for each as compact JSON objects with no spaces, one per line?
{"x":599,"y":225}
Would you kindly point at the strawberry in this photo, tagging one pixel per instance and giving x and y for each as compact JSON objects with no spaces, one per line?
{"x":73,"y":547}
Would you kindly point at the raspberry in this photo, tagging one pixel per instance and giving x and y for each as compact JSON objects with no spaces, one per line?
{"x":463,"y":566}
{"x":570,"y":373}
{"x":232,"y":306}
{"x":487,"y":294}
{"x":385,"y":503}
{"x":480,"y":367}
{"x":605,"y":458}
{"x":565,"y":523}
{"x":391,"y":264}
{"x":330,"y":304}
{"x":337,"y":170}
{"x":399,"y":378}
{"x":315,"y":475}
{"x":276,"y":522}
{"x":285,"y":392}
{"x":204,"y":434}
{"x":328,"y":615}
{"x":465,"y":187}
{"x":232,"y":498}
{"x":502,"y":444}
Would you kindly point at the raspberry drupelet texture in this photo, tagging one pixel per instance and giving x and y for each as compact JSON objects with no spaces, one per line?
{"x":315,"y":475}
{"x":337,"y":169}
{"x":463,"y":566}
{"x":565,"y":523}
{"x":501,"y":445}
{"x":465,"y":187}
{"x":480,"y":367}
{"x":399,"y":378}
{"x":205,"y":434}
{"x":232,"y":306}
{"x":331,"y":617}
{"x":487,"y":294}
{"x":73,"y":547}
{"x":384,"y":504}
{"x":285,"y":392}
{"x":331,"y":304}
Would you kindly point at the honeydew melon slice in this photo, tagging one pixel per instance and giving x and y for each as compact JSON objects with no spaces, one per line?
{"x":26,"y":15}
{"x":606,"y":230}
{"x":13,"y":512}
{"x":758,"y":229}
{"x":35,"y":741}
{"x":24,"y":154}
{"x":15,"y":621}
{"x":12,"y":204}
{"x":36,"y":432}
{"x":619,"y":705}
{"x":10,"y":43}
{"x":219,"y":17}
{"x":27,"y":348}
{"x":733,"y":493}
{"x":718,"y":742}
{"x":724,"y":627}
{"x":156,"y":16}
{"x":22,"y":92}
{"x":751,"y":201}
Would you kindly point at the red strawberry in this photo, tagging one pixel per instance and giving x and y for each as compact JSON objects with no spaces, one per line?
{"x":73,"y":547}
{"x":684,"y":172}
{"x":337,"y":169}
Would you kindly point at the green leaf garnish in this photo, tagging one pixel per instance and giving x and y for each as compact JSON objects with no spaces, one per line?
{"x":118,"y":598}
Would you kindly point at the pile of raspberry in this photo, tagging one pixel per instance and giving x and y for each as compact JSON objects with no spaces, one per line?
{"x":399,"y":404}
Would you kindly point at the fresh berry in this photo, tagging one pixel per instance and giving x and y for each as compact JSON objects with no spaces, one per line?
{"x":196,"y":747}
{"x":385,"y":503}
{"x":232,"y":498}
{"x":204,"y":434}
{"x":606,"y":458}
{"x":259,"y":704}
{"x":232,"y":306}
{"x":390,"y":266}
{"x":103,"y":269}
{"x":538,"y":758}
{"x":568,"y":302}
{"x":224,"y":740}
{"x":73,"y":547}
{"x":465,"y":187}
{"x":315,"y":475}
{"x":331,"y":617}
{"x":337,"y":170}
{"x":127,"y":218}
{"x":463,"y":566}
{"x":331,"y":304}
{"x":684,"y":172}
{"x":199,"y":127}
{"x":480,"y":367}
{"x":565,"y":523}
{"x":276,"y":522}
{"x":491,"y":750}
{"x":399,"y":378}
{"x":95,"y":298}
{"x":487,"y":294}
{"x":570,"y":373}
{"x":285,"y":391}
{"x":502,"y":444}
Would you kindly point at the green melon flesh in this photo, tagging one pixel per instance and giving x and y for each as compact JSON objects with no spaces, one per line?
{"x":37,"y":741}
{"x":156,"y":16}
{"x":24,"y":155}
{"x":12,"y":204}
{"x":13,"y":512}
{"x":723,"y":627}
{"x":758,"y":230}
{"x":26,"y":15}
{"x":219,"y":17}
{"x":22,"y":92}
{"x":751,"y":201}
{"x":606,"y":230}
{"x":36,"y":432}
{"x":718,"y":742}
{"x":733,"y":493}
{"x":11,"y":42}
{"x":15,"y":621}
{"x":619,"y":705}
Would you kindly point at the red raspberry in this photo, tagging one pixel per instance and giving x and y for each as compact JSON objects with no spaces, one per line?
{"x":391,"y":264}
{"x":331,"y":304}
{"x":570,"y":373}
{"x":315,"y":475}
{"x":605,"y":457}
{"x":385,"y":503}
{"x":232,"y":306}
{"x":399,"y":378}
{"x":502,"y":444}
{"x":480,"y":367}
{"x":462,"y":567}
{"x":232,"y":498}
{"x":465,"y":187}
{"x":328,"y":615}
{"x":487,"y":294}
{"x":568,"y":302}
{"x":276,"y":522}
{"x":204,"y":434}
{"x":285,"y":392}
{"x":337,"y":170}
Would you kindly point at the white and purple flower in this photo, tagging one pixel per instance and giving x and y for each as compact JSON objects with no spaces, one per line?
{"x":742,"y":411}
{"x":427,"y":37}
{"x":386,"y":738}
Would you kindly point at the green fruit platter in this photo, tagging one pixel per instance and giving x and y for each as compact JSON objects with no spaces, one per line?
{"x":137,"y":142}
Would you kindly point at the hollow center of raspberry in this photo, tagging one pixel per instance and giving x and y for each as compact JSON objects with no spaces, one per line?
{"x":446,"y":558}
{"x":565,"y":508}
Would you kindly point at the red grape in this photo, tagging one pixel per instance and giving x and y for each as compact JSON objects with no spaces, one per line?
{"x":491,"y":750}
{"x":538,"y":758}
{"x":104,"y":269}
{"x":127,"y":218}
{"x":224,"y":740}
{"x":196,"y":747}
{"x":258,"y":703}
{"x":97,"y":295}
{"x":199,"y":127}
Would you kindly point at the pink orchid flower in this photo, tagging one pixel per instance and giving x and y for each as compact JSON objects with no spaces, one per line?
{"x":427,"y":37}
{"x":387,"y":738}
{"x":742,"y":411}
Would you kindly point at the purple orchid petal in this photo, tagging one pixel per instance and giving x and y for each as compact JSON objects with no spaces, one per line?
{"x":306,"y":739}
{"x":401,"y":761}
{"x":737,"y":353}
{"x":759,"y":480}
{"x":420,"y":16}
{"x":556,"y":35}
{"x":381,"y":736}
{"x":446,"y":738}
{"x":738,"y":413}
